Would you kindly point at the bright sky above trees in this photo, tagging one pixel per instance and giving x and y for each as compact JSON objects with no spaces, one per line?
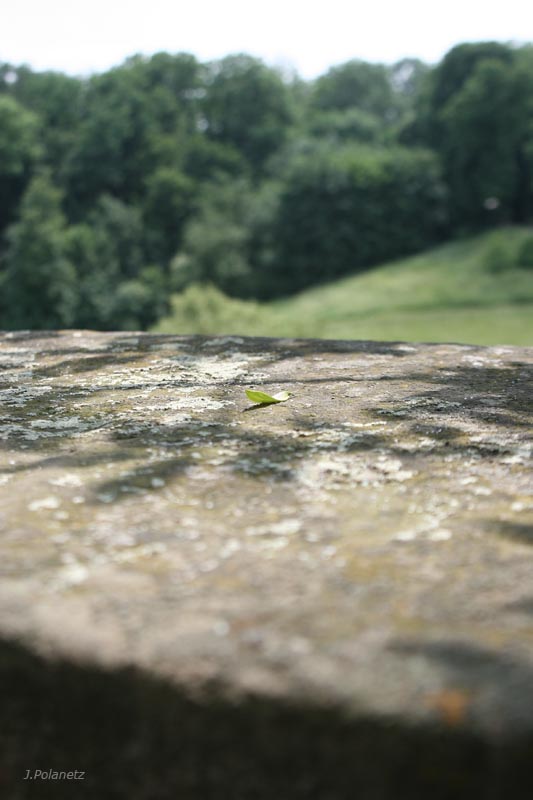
{"x":80,"y":36}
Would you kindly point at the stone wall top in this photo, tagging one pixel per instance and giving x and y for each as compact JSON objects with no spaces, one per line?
{"x":366,"y":545}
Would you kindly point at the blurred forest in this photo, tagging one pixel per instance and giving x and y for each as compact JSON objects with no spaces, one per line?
{"x":120,"y":189}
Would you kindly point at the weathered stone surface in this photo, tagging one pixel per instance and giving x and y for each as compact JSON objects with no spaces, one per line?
{"x":342,"y":582}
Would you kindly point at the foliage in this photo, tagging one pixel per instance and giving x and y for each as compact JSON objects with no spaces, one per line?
{"x":140,"y":301}
{"x":357,"y":84}
{"x":407,"y":76}
{"x":206,"y":160}
{"x":215,"y":241}
{"x":445,"y":294}
{"x":351,"y":124}
{"x":458,"y":65}
{"x":501,"y":253}
{"x":229,"y":242}
{"x":247,"y":107}
{"x":111,"y":154}
{"x":256,"y":396}
{"x":347,"y":208}
{"x":19,"y":151}
{"x":163,"y":173}
{"x":525,"y":254}
{"x":55,"y":99}
{"x":204,"y":309}
{"x":481,"y":115}
{"x":115,"y":290}
{"x":39,"y":286}
{"x":168,"y":205}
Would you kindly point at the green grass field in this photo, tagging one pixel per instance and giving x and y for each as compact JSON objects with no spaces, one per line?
{"x":468,"y":291}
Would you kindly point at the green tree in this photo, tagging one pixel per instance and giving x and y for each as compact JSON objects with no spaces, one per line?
{"x":407,"y":76}
{"x":357,"y":84}
{"x":215,"y":244}
{"x":107,"y":250}
{"x":458,"y":65}
{"x":482,"y":132}
{"x":174,"y":86}
{"x":342,"y":126}
{"x":141,"y":301}
{"x":97,"y":275}
{"x":523,"y":202}
{"x":343,"y":209}
{"x":168,"y":205}
{"x":411,"y":81}
{"x":55,"y":99}
{"x":19,"y":152}
{"x":134,"y":119}
{"x":247,"y":106}
{"x":110,"y":155}
{"x":206,"y":160}
{"x":120,"y":227}
{"x":40,"y":282}
{"x":229,"y":242}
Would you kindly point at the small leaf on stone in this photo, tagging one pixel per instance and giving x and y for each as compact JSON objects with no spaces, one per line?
{"x":262,"y":397}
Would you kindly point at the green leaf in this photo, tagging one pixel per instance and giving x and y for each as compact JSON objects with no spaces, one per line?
{"x":262,"y":397}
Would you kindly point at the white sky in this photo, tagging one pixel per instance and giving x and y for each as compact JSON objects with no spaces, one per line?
{"x":78,"y":36}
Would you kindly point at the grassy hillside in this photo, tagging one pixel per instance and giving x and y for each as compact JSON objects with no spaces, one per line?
{"x":477,"y":290}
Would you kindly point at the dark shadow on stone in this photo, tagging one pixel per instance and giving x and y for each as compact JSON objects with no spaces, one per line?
{"x":65,"y":461}
{"x":507,"y":681}
{"x":294,"y":348}
{"x":138,"y":737}
{"x":524,"y":606}
{"x":28,"y":335}
{"x":456,"y":393}
{"x":87,"y":364}
{"x":257,"y":407}
{"x":140,"y":480}
{"x":492,"y":395}
{"x":521,"y":532}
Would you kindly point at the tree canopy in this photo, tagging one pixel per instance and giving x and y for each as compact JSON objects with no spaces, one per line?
{"x":120,"y":188}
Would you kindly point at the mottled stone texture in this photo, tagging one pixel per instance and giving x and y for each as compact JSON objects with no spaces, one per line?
{"x":327,"y":598}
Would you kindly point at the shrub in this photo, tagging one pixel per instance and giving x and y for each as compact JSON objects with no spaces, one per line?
{"x":525,"y":254}
{"x":345,"y":209}
{"x":204,"y":309}
{"x":500,"y":253}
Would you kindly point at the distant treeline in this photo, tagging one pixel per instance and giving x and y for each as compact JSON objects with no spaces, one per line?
{"x":119,"y":189}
